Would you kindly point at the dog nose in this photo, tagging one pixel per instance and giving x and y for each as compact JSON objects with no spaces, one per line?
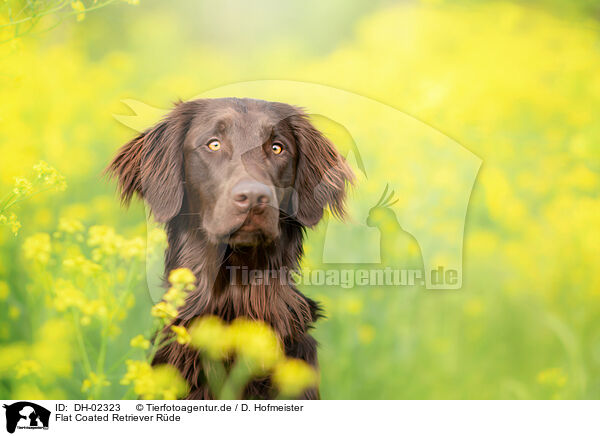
{"x":249,"y":194}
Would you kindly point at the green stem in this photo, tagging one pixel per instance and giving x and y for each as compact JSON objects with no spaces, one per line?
{"x":127,"y":393}
{"x":5,"y":201}
{"x":101,"y":359}
{"x":25,"y":197}
{"x":121,"y":360}
{"x":239,"y":376}
{"x":215,"y":373}
{"x":41,"y":14}
{"x":155,"y":345}
{"x":79,"y":337}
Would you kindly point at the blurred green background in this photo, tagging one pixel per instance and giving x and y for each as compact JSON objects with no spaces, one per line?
{"x":516,"y":83}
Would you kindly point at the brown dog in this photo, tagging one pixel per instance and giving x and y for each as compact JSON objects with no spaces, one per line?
{"x":236,"y":181}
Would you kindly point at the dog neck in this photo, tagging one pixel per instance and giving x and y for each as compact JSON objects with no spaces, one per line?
{"x":253,"y":282}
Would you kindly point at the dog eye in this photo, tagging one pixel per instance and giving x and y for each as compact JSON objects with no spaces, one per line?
{"x":277,"y":148}
{"x":214,"y":145}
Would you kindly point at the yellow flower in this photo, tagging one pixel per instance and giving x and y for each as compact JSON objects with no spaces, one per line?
{"x":11,"y":354}
{"x":294,"y":376}
{"x":366,"y":333}
{"x":4,"y":290}
{"x":136,"y":370}
{"x":156,"y":238}
{"x":79,"y":7}
{"x":256,"y":343}
{"x":82,"y":265}
{"x":86,"y":385}
{"x":22,"y":186}
{"x":163,"y":311}
{"x":70,"y":226}
{"x":474,"y":307}
{"x":140,"y":341}
{"x":27,"y":367}
{"x":94,"y":307}
{"x":67,"y":296}
{"x":98,"y":235}
{"x":353,"y":305}
{"x":94,"y":380}
{"x":12,"y":222}
{"x":38,"y":248}
{"x":133,"y":249}
{"x":106,"y":241}
{"x":53,"y":348}
{"x":182,"y":335}
{"x":175,"y":296}
{"x":554,"y":377}
{"x":183,"y":277}
{"x":252,"y":340}
{"x":160,"y":382}
{"x":120,"y":314}
{"x":113,"y":331}
{"x":48,"y":176}
{"x":14,"y":312}
{"x":211,"y":335}
{"x":129,"y":301}
{"x":121,"y":275}
{"x":167,"y":384}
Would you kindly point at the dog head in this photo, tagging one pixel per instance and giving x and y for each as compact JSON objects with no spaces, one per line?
{"x":237,"y":166}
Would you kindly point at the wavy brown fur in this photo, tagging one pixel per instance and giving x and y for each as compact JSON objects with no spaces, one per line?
{"x":290,"y":313}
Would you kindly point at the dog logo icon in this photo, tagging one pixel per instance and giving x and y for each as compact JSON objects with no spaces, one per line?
{"x":26,"y":415}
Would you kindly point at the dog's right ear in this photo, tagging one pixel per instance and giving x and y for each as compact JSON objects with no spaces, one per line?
{"x":151,"y":166}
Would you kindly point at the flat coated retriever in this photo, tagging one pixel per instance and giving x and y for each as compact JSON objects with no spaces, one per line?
{"x":236,"y":182}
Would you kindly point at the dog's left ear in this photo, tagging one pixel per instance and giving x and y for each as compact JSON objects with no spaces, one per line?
{"x":151,"y":166}
{"x":322,"y":174}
